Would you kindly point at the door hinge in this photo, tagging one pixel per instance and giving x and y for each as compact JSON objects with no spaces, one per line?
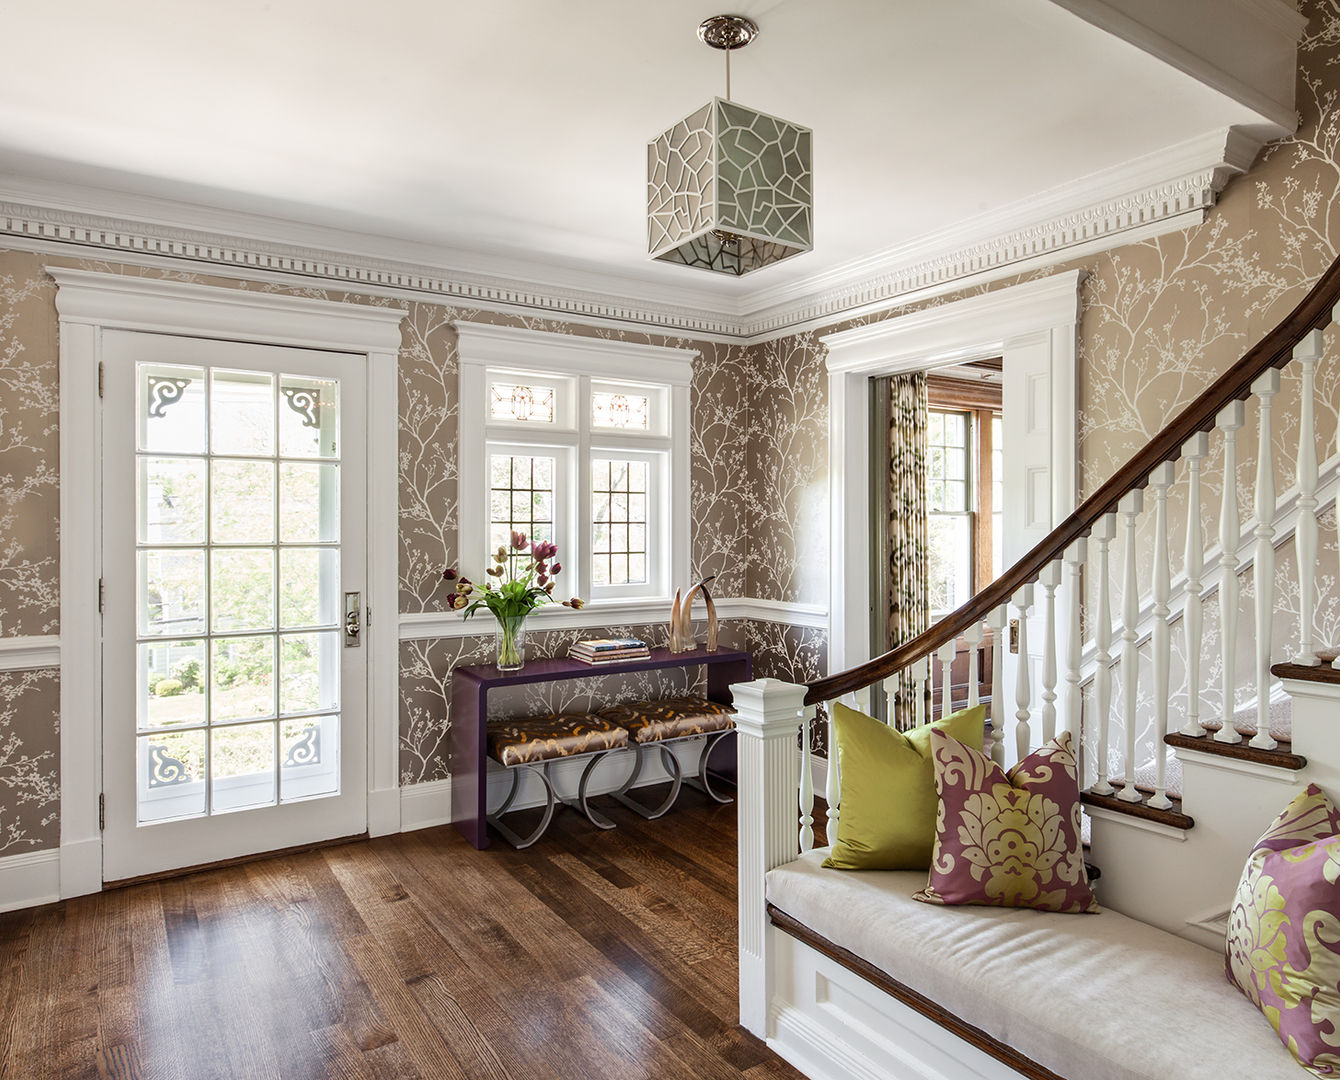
{"x":102,"y":812}
{"x":369,"y":618}
{"x":101,"y":370}
{"x":102,"y":595}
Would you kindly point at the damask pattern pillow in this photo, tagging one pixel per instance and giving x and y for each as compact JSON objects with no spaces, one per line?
{"x":1283,"y":945}
{"x":1008,"y":840}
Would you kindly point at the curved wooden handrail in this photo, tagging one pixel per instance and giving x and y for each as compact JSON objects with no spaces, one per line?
{"x":1275,"y":350}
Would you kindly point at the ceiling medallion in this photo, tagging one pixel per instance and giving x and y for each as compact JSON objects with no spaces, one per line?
{"x":730,"y":189}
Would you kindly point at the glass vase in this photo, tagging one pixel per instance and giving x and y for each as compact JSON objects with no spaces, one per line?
{"x":510,"y":638}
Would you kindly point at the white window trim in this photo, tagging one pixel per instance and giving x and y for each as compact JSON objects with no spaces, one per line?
{"x":484,"y":346}
{"x":89,"y":303}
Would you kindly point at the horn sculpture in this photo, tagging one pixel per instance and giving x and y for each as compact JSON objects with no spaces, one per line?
{"x":681,"y":620}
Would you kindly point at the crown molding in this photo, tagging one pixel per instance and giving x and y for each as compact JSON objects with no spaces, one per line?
{"x":1161,"y":192}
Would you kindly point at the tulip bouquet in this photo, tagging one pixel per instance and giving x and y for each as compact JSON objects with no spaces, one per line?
{"x":519,"y":581}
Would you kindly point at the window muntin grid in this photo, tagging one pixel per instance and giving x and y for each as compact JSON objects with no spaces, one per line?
{"x":521,"y":497}
{"x":948,"y":508}
{"x":237,"y":547}
{"x":619,"y":512}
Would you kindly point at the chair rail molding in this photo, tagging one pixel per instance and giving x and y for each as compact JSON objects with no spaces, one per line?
{"x":87,"y":303}
{"x":21,"y":653}
{"x":1042,"y":314}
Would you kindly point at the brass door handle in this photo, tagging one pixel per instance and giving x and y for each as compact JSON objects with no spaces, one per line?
{"x":353,"y":619}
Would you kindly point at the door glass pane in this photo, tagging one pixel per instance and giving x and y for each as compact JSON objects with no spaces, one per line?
{"x":172,"y":592}
{"x":171,"y":409}
{"x":174,"y":691}
{"x":243,"y":502}
{"x":309,"y":757}
{"x":309,"y":672}
{"x":309,"y":504}
{"x":309,"y":587}
{"x":308,"y":417}
{"x":242,"y":413}
{"x":171,"y":497}
{"x":242,"y":678}
{"x":230,"y":473}
{"x":242,"y":767}
{"x":171,"y":775}
{"x":243,"y":589}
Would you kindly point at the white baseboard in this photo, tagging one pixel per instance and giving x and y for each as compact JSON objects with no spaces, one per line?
{"x":80,"y":871}
{"x":424,"y":805}
{"x":29,"y":879}
{"x":385,"y":811}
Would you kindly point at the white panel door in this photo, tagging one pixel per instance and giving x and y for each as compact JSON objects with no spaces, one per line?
{"x":234,"y":530}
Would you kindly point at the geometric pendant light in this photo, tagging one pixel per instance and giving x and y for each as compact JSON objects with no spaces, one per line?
{"x":730,"y":189}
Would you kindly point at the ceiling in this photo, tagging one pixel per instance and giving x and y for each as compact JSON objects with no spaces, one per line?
{"x":510,"y":135}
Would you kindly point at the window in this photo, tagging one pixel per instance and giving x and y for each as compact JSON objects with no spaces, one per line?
{"x":964,"y":496}
{"x":583,"y":442}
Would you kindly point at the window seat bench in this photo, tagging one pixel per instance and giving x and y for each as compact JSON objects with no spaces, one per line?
{"x":865,"y":974}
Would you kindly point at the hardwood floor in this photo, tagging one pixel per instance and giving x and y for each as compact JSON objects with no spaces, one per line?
{"x":592,"y":954}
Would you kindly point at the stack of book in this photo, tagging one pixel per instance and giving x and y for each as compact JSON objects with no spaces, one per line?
{"x":609,"y":650}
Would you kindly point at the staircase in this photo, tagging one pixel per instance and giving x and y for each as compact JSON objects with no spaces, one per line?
{"x":1170,"y":828}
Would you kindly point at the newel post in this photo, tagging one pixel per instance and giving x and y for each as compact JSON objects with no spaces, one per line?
{"x":767,"y":721}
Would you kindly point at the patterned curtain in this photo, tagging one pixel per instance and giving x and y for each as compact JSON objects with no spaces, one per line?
{"x":909,"y":576}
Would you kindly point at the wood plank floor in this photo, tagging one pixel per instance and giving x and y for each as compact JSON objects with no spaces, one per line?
{"x":593,"y":954}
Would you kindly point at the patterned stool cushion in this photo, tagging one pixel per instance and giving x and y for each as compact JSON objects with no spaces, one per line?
{"x":670,"y":718}
{"x":522,"y":740}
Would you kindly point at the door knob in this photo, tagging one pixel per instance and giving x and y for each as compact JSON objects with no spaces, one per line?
{"x":353,"y":619}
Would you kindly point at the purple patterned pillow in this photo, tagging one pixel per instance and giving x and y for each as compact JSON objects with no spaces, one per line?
{"x":1283,"y":946}
{"x":1008,"y":840}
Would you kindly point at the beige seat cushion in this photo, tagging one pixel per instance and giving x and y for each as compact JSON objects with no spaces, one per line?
{"x":1091,"y":997}
{"x":669,"y":718}
{"x":524,"y":740}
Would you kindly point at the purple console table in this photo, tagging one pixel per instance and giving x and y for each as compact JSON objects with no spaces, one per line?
{"x":470,"y":686}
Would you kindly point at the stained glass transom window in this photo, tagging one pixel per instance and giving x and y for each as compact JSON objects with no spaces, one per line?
{"x":519,"y":401}
{"x":619,"y":525}
{"x":631,"y":412}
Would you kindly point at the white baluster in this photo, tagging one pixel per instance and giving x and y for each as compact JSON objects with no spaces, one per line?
{"x":1193,"y":450}
{"x":860,"y":699}
{"x":996,"y":621}
{"x":946,"y":655}
{"x":1050,"y":580}
{"x":973,"y":637}
{"x":1104,"y":529}
{"x":1023,"y":691}
{"x":1230,"y":419}
{"x":921,"y":670}
{"x":1074,"y":699}
{"x":1307,"y":352}
{"x":889,"y":688}
{"x":1130,"y":506}
{"x":806,"y":782}
{"x":1159,"y":482}
{"x":833,"y":779}
{"x":1265,"y":388}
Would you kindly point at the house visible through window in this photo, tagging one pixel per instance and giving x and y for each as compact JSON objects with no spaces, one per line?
{"x":964,"y":498}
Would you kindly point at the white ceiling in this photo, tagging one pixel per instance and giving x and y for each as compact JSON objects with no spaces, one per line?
{"x":491,"y":132}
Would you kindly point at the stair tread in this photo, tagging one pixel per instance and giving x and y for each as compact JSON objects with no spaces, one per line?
{"x":1282,"y":757}
{"x":1321,"y":673}
{"x":1173,"y":818}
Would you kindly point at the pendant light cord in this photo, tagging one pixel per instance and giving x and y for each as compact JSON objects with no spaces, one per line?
{"x":728,"y":52}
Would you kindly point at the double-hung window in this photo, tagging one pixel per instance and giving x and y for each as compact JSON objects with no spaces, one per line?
{"x":583,"y":442}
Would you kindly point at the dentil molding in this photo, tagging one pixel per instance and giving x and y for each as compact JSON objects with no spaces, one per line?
{"x":1159,"y":193}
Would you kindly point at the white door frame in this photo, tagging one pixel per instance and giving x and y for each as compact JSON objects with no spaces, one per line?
{"x":89,"y":302}
{"x":991,"y":324}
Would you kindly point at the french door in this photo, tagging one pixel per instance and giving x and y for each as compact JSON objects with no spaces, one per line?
{"x":234,"y":534}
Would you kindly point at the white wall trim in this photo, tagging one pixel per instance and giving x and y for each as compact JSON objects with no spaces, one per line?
{"x":1164,"y":191}
{"x":423,"y":806}
{"x":89,"y":303}
{"x":1042,"y":313}
{"x":19,"y":653}
{"x":450,"y":624}
{"x":29,"y":879}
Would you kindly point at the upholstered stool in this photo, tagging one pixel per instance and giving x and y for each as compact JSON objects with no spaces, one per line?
{"x":659,"y":723}
{"x":534,"y":743}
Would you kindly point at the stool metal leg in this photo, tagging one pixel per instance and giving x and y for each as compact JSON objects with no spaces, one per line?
{"x":702,"y":782}
{"x":495,"y":819}
{"x":671,"y":764}
{"x":580,"y":804}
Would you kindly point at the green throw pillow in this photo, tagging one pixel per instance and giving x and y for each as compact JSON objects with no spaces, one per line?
{"x":888,"y":806}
